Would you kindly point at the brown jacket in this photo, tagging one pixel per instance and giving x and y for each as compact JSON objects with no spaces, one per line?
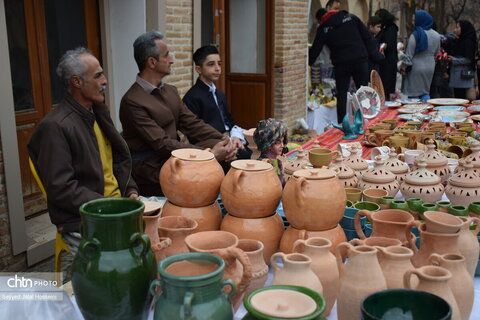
{"x":150,"y":123}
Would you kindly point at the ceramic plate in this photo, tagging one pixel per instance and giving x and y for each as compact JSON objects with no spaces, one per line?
{"x":450,"y":116}
{"x":474,"y":109}
{"x":414,"y":117}
{"x":377,"y":85}
{"x":447,"y":101}
{"x":368,"y":101}
{"x":475,"y":118}
{"x":449,"y":108}
{"x":392,"y":104}
{"x":408,"y":101}
{"x":413,"y":108}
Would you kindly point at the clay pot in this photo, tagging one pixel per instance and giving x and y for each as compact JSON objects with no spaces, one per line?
{"x":396,"y":166}
{"x":422,"y":183}
{"x":464,"y":186}
{"x":389,"y":223}
{"x":208,"y":217}
{"x":394,"y":262}
{"x":191,"y":178}
{"x":335,"y":235}
{"x":300,"y":162}
{"x":268,"y":230}
{"x":314,"y":199}
{"x":296,"y":271}
{"x":254,"y":251}
{"x":355,"y":283}
{"x":468,"y":243}
{"x":434,"y":280}
{"x":356,"y":162}
{"x":474,"y":157}
{"x":436,"y":162}
{"x":374,"y":195}
{"x":176,"y":229}
{"x":151,"y":214}
{"x":344,"y":173}
{"x":441,"y":222}
{"x":379,"y":177}
{"x":251,"y":189}
{"x":324,"y":265}
{"x":461,"y":282}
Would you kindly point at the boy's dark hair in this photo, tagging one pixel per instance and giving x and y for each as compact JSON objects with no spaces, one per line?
{"x":373,"y":21}
{"x":202,"y":53}
{"x":330,"y":3}
{"x":320,"y":13}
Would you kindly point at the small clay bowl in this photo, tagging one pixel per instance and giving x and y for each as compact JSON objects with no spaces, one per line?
{"x":354,"y":194}
{"x":441,"y":222}
{"x":374,"y":194}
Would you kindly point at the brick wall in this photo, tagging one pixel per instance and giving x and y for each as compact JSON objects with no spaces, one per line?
{"x":290,"y":59}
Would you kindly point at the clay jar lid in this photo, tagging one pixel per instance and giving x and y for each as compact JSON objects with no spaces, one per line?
{"x":394,"y":164}
{"x":474,"y":157}
{"x":344,"y":171}
{"x":251,"y":165}
{"x":189,"y":154}
{"x":355,"y":162}
{"x":434,"y":158}
{"x":315,"y":174}
{"x":466,"y":178}
{"x":379,"y":173}
{"x":422,"y":176}
{"x":283,"y":303}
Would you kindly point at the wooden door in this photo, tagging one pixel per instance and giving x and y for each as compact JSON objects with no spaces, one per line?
{"x":39,"y":32}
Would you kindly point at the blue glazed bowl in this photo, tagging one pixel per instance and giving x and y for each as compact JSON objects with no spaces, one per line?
{"x":348,"y":219}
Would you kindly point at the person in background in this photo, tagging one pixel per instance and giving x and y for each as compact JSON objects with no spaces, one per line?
{"x":462,"y":69}
{"x":332,"y":5}
{"x":374,"y":25}
{"x":439,"y":87}
{"x":388,"y":36}
{"x":271,"y":139}
{"x":423,"y":46}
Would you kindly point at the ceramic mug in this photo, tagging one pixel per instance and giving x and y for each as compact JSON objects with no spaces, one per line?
{"x":391,"y":122}
{"x":427,"y":135}
{"x":413,"y":136}
{"x":320,"y":157}
{"x":448,"y":154}
{"x":380,"y":136}
{"x":382,"y":151}
{"x":441,"y":145}
{"x":411,"y":155}
{"x":416,"y":124}
{"x":396,"y":141}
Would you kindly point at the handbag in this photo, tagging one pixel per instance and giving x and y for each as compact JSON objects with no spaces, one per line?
{"x":467,"y":74}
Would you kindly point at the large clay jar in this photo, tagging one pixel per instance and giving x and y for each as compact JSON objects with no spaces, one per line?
{"x":431,"y":243}
{"x":191,"y":178}
{"x":176,"y":229}
{"x":464,"y":187}
{"x":422,"y":184}
{"x":335,"y":235}
{"x":268,"y":230}
{"x":435,"y":280}
{"x":356,"y":162}
{"x":208,"y":217}
{"x":324,"y":265}
{"x":468,"y":243}
{"x":379,"y":177}
{"x":251,"y":189}
{"x":254,"y":251}
{"x":296,"y":271}
{"x":344,"y":173}
{"x":399,"y":168}
{"x":112,"y":271}
{"x":356,"y":283}
{"x":389,"y":223}
{"x":394,"y":261}
{"x":314,"y":199}
{"x":191,"y":286}
{"x":461,"y":282}
{"x":436,"y":162}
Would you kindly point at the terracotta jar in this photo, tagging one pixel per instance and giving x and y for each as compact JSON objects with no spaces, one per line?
{"x":464,"y":187}
{"x":191,"y":178}
{"x":335,"y":235}
{"x":388,"y":223}
{"x":314,"y":199}
{"x":356,"y":162}
{"x":324,"y":265}
{"x":344,"y":173}
{"x":461,"y":282}
{"x":251,"y":189}
{"x":268,"y":230}
{"x":355,"y":283}
{"x":300,"y":162}
{"x":176,"y":229}
{"x":434,"y":280}
{"x":468,"y":243}
{"x":296,"y":271}
{"x":394,"y":262}
{"x":208,"y":217}
{"x":431,"y":243}
{"x":379,"y":177}
{"x":151,"y":214}
{"x":396,"y":166}
{"x":254,"y":251}
{"x":423,"y":184}
{"x":436,"y":162}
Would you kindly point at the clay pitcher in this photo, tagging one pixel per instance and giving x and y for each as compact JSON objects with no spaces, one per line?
{"x":324,"y":265}
{"x":208,"y":217}
{"x":254,"y":251}
{"x":468,"y":243}
{"x":355,"y":282}
{"x":151,"y":214}
{"x":389,"y":223}
{"x":296,"y":271}
{"x":431,"y":243}
{"x":176,"y":229}
{"x":395,"y":261}
{"x":434,"y":280}
{"x":461,"y":282}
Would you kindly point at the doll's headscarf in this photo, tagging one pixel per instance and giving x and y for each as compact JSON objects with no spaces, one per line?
{"x":267,"y":132}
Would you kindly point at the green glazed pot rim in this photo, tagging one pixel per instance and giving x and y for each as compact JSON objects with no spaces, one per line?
{"x":191,"y":256}
{"x":372,"y":206}
{"x":441,"y":202}
{"x":85,"y":207}
{"x":319,"y":299}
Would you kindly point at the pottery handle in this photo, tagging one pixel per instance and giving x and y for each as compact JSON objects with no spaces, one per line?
{"x":435,"y":259}
{"x":477,"y":228}
{"x":408,"y":235}
{"x":336,"y":153}
{"x":92,"y":253}
{"x":247,"y":266}
{"x":296,"y":244}
{"x":174,"y":165}
{"x":339,"y":255}
{"x":273,"y":262}
{"x":236,"y":179}
{"x":139,"y":239}
{"x":233,"y":287}
{"x":372,"y":139}
{"x":153,"y":287}
{"x":407,"y":277}
{"x":163,"y":243}
{"x":358,"y":225}
{"x":299,"y":194}
{"x":187,"y":306}
{"x":356,"y":242}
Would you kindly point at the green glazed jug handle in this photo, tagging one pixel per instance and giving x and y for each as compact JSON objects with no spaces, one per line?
{"x":144,"y":240}
{"x":229,"y":282}
{"x":153,"y":286}
{"x":187,"y":306}
{"x":83,"y":249}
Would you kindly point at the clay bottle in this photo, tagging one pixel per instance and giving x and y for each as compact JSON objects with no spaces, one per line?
{"x":468,"y":243}
{"x":395,"y":261}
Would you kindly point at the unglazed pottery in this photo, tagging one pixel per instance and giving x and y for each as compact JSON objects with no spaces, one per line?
{"x":394,"y":262}
{"x":461,"y":282}
{"x":422,"y":183}
{"x":208,"y":217}
{"x":355,"y":283}
{"x":468,"y":243}
{"x":191,"y":178}
{"x":268,"y":230}
{"x":151,"y":214}
{"x":389,"y":223}
{"x":314,"y":199}
{"x":356,"y":162}
{"x":436,"y":162}
{"x":300,"y":162}
{"x":374,"y":195}
{"x":320,"y":157}
{"x":353,"y":194}
{"x":474,"y":157}
{"x":176,"y":229}
{"x":376,"y":242}
{"x":344,"y":173}
{"x":441,"y":222}
{"x":254,"y":251}
{"x":335,"y":235}
{"x":251,"y":189}
{"x":396,"y":166}
{"x":464,"y":186}
{"x":379,"y":177}
{"x":324,"y":265}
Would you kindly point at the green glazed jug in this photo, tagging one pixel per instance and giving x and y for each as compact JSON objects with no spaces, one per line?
{"x":114,"y":266}
{"x":192,"y":288}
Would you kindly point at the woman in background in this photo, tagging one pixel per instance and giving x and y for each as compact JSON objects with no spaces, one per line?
{"x":388,"y":35}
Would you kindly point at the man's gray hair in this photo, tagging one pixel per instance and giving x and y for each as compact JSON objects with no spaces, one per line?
{"x":70,"y":65}
{"x":145,"y":47}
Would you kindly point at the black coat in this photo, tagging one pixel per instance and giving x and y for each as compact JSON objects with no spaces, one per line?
{"x":388,"y":68}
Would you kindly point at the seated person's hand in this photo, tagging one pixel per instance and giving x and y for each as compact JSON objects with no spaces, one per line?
{"x":224,"y":150}
{"x":237,"y":143}
{"x":134,"y":196}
